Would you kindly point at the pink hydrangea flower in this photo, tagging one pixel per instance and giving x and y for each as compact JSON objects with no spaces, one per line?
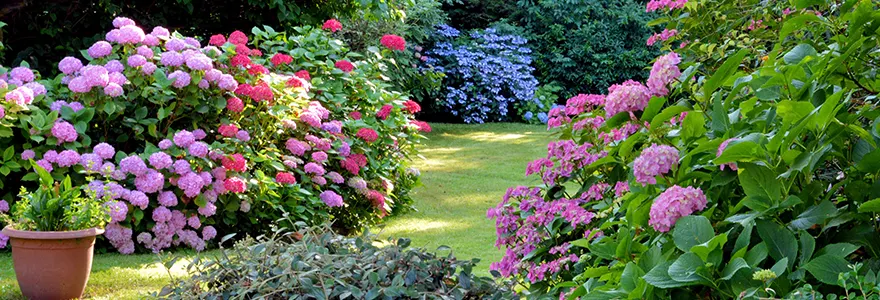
{"x":181,"y":79}
{"x":217,"y":40}
{"x":674,"y":203}
{"x":384,"y":111}
{"x":331,"y":198}
{"x":64,"y":132}
{"x":234,"y":184}
{"x":237,"y":37}
{"x":285,"y":178}
{"x":666,"y":34}
{"x":100,"y":49}
{"x":69,"y":65}
{"x":629,"y":96}
{"x":654,"y":160}
{"x":167,"y":198}
{"x":670,"y":5}
{"x":367,"y":134}
{"x":664,"y":72}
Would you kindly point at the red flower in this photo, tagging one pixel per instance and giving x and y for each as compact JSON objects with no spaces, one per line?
{"x":240,"y":60}
{"x":360,"y":159}
{"x":228,"y":130}
{"x":285,"y":178}
{"x":262,"y":92}
{"x":351,"y":165}
{"x":355,"y":115}
{"x":384,"y":111}
{"x":281,"y":58}
{"x":345,"y":66}
{"x":393,"y":42}
{"x":295,"y":82}
{"x":235,"y":162}
{"x":304,"y":75}
{"x":242,"y":49}
{"x":256,"y":52}
{"x":234,"y":184}
{"x":423,"y":126}
{"x":217,"y":40}
{"x":377,"y":198}
{"x":332,"y":25}
{"x":411,"y":106}
{"x":243,"y":89}
{"x":257,"y":69}
{"x":238,"y":38}
{"x":234,"y":104}
{"x":367,"y":134}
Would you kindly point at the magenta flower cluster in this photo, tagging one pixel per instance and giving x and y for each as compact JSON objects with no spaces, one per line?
{"x":674,"y":203}
{"x":654,"y":161}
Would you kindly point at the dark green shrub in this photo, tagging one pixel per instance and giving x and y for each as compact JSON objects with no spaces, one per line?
{"x":317,"y":263}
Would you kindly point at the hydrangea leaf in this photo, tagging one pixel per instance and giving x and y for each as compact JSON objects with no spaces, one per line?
{"x":691,"y":231}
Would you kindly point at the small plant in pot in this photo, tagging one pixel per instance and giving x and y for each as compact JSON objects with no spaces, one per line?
{"x":52,"y":232}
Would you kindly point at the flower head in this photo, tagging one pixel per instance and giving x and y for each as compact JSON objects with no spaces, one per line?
{"x":393,"y":42}
{"x":345,"y":66}
{"x":100,"y":49}
{"x":629,"y":96}
{"x":285,"y":178}
{"x":331,"y":198}
{"x":664,"y":72}
{"x":332,"y":25}
{"x":367,"y":134}
{"x":70,"y":65}
{"x":674,"y":203}
{"x":654,"y":160}
{"x":64,"y":132}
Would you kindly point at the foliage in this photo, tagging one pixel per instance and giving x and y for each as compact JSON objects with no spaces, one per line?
{"x":487,"y":73}
{"x":43,"y":33}
{"x":186,"y":141}
{"x":742,"y":168}
{"x":414,"y":20}
{"x":55,"y":206}
{"x":568,"y":37}
{"x":317,"y":263}
{"x":856,"y":284}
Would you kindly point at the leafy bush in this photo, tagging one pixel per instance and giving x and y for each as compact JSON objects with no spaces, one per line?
{"x":568,"y":37}
{"x":319,"y":264}
{"x":535,"y":111}
{"x":182,"y":138}
{"x":744,"y":167}
{"x":487,"y":73}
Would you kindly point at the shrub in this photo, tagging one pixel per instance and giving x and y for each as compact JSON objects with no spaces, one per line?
{"x":487,"y":73}
{"x":741,"y":171}
{"x":317,"y":263}
{"x":187,"y":141}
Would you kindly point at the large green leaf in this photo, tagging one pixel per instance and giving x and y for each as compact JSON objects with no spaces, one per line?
{"x":742,"y":151}
{"x":760,"y":182}
{"x":659,"y":277}
{"x":691,"y":231}
{"x":780,"y":241}
{"x":798,"y":54}
{"x":693,"y":126}
{"x":872,"y":206}
{"x":727,"y":69}
{"x":733,"y":266}
{"x":793,"y":111}
{"x":814,"y":215}
{"x":827,"y":268}
{"x":685,"y":268}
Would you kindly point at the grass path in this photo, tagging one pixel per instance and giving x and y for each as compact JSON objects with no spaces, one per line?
{"x":114,"y":276}
{"x":466,"y":170}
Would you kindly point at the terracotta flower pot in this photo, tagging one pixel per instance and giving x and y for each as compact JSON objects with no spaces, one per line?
{"x":52,"y":264}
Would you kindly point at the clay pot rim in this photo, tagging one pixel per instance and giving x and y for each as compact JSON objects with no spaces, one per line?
{"x":50,"y":235}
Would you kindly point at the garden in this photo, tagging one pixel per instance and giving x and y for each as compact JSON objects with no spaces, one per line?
{"x":440,"y":149}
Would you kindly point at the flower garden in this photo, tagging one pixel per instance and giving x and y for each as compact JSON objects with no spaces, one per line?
{"x":643,"y":153}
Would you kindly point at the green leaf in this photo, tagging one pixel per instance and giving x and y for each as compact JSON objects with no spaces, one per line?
{"x":841,"y":250}
{"x":780,"y":266}
{"x":727,"y":69}
{"x":685,"y":268}
{"x":653,"y":108}
{"x":872,"y":206}
{"x":631,"y":276}
{"x":667,"y":114}
{"x":45,"y":177}
{"x":741,"y":151}
{"x":692,"y":230}
{"x":757,"y":254}
{"x":9,"y":153}
{"x":827,"y":268}
{"x":816,"y":214}
{"x":808,"y":245}
{"x":733,"y":266}
{"x":795,"y":23}
{"x":703,"y":250}
{"x":693,"y":126}
{"x":793,"y":111}
{"x":798,"y":54}
{"x":760,"y":182}
{"x":780,"y":241}
{"x":659,"y":277}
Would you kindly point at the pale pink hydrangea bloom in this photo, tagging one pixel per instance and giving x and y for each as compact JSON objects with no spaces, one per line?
{"x":674,"y":203}
{"x":654,"y":160}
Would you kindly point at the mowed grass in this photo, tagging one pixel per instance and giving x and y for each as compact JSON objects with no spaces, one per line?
{"x":114,"y":276}
{"x":466,"y":170}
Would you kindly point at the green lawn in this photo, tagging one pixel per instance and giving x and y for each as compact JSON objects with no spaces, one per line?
{"x":114,"y":276}
{"x":466,"y":170}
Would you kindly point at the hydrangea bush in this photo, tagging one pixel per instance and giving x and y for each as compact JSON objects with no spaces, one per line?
{"x":487,"y":74}
{"x":188,"y":140}
{"x":738,"y":171}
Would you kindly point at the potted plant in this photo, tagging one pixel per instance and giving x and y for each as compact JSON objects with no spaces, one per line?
{"x":52,"y":232}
